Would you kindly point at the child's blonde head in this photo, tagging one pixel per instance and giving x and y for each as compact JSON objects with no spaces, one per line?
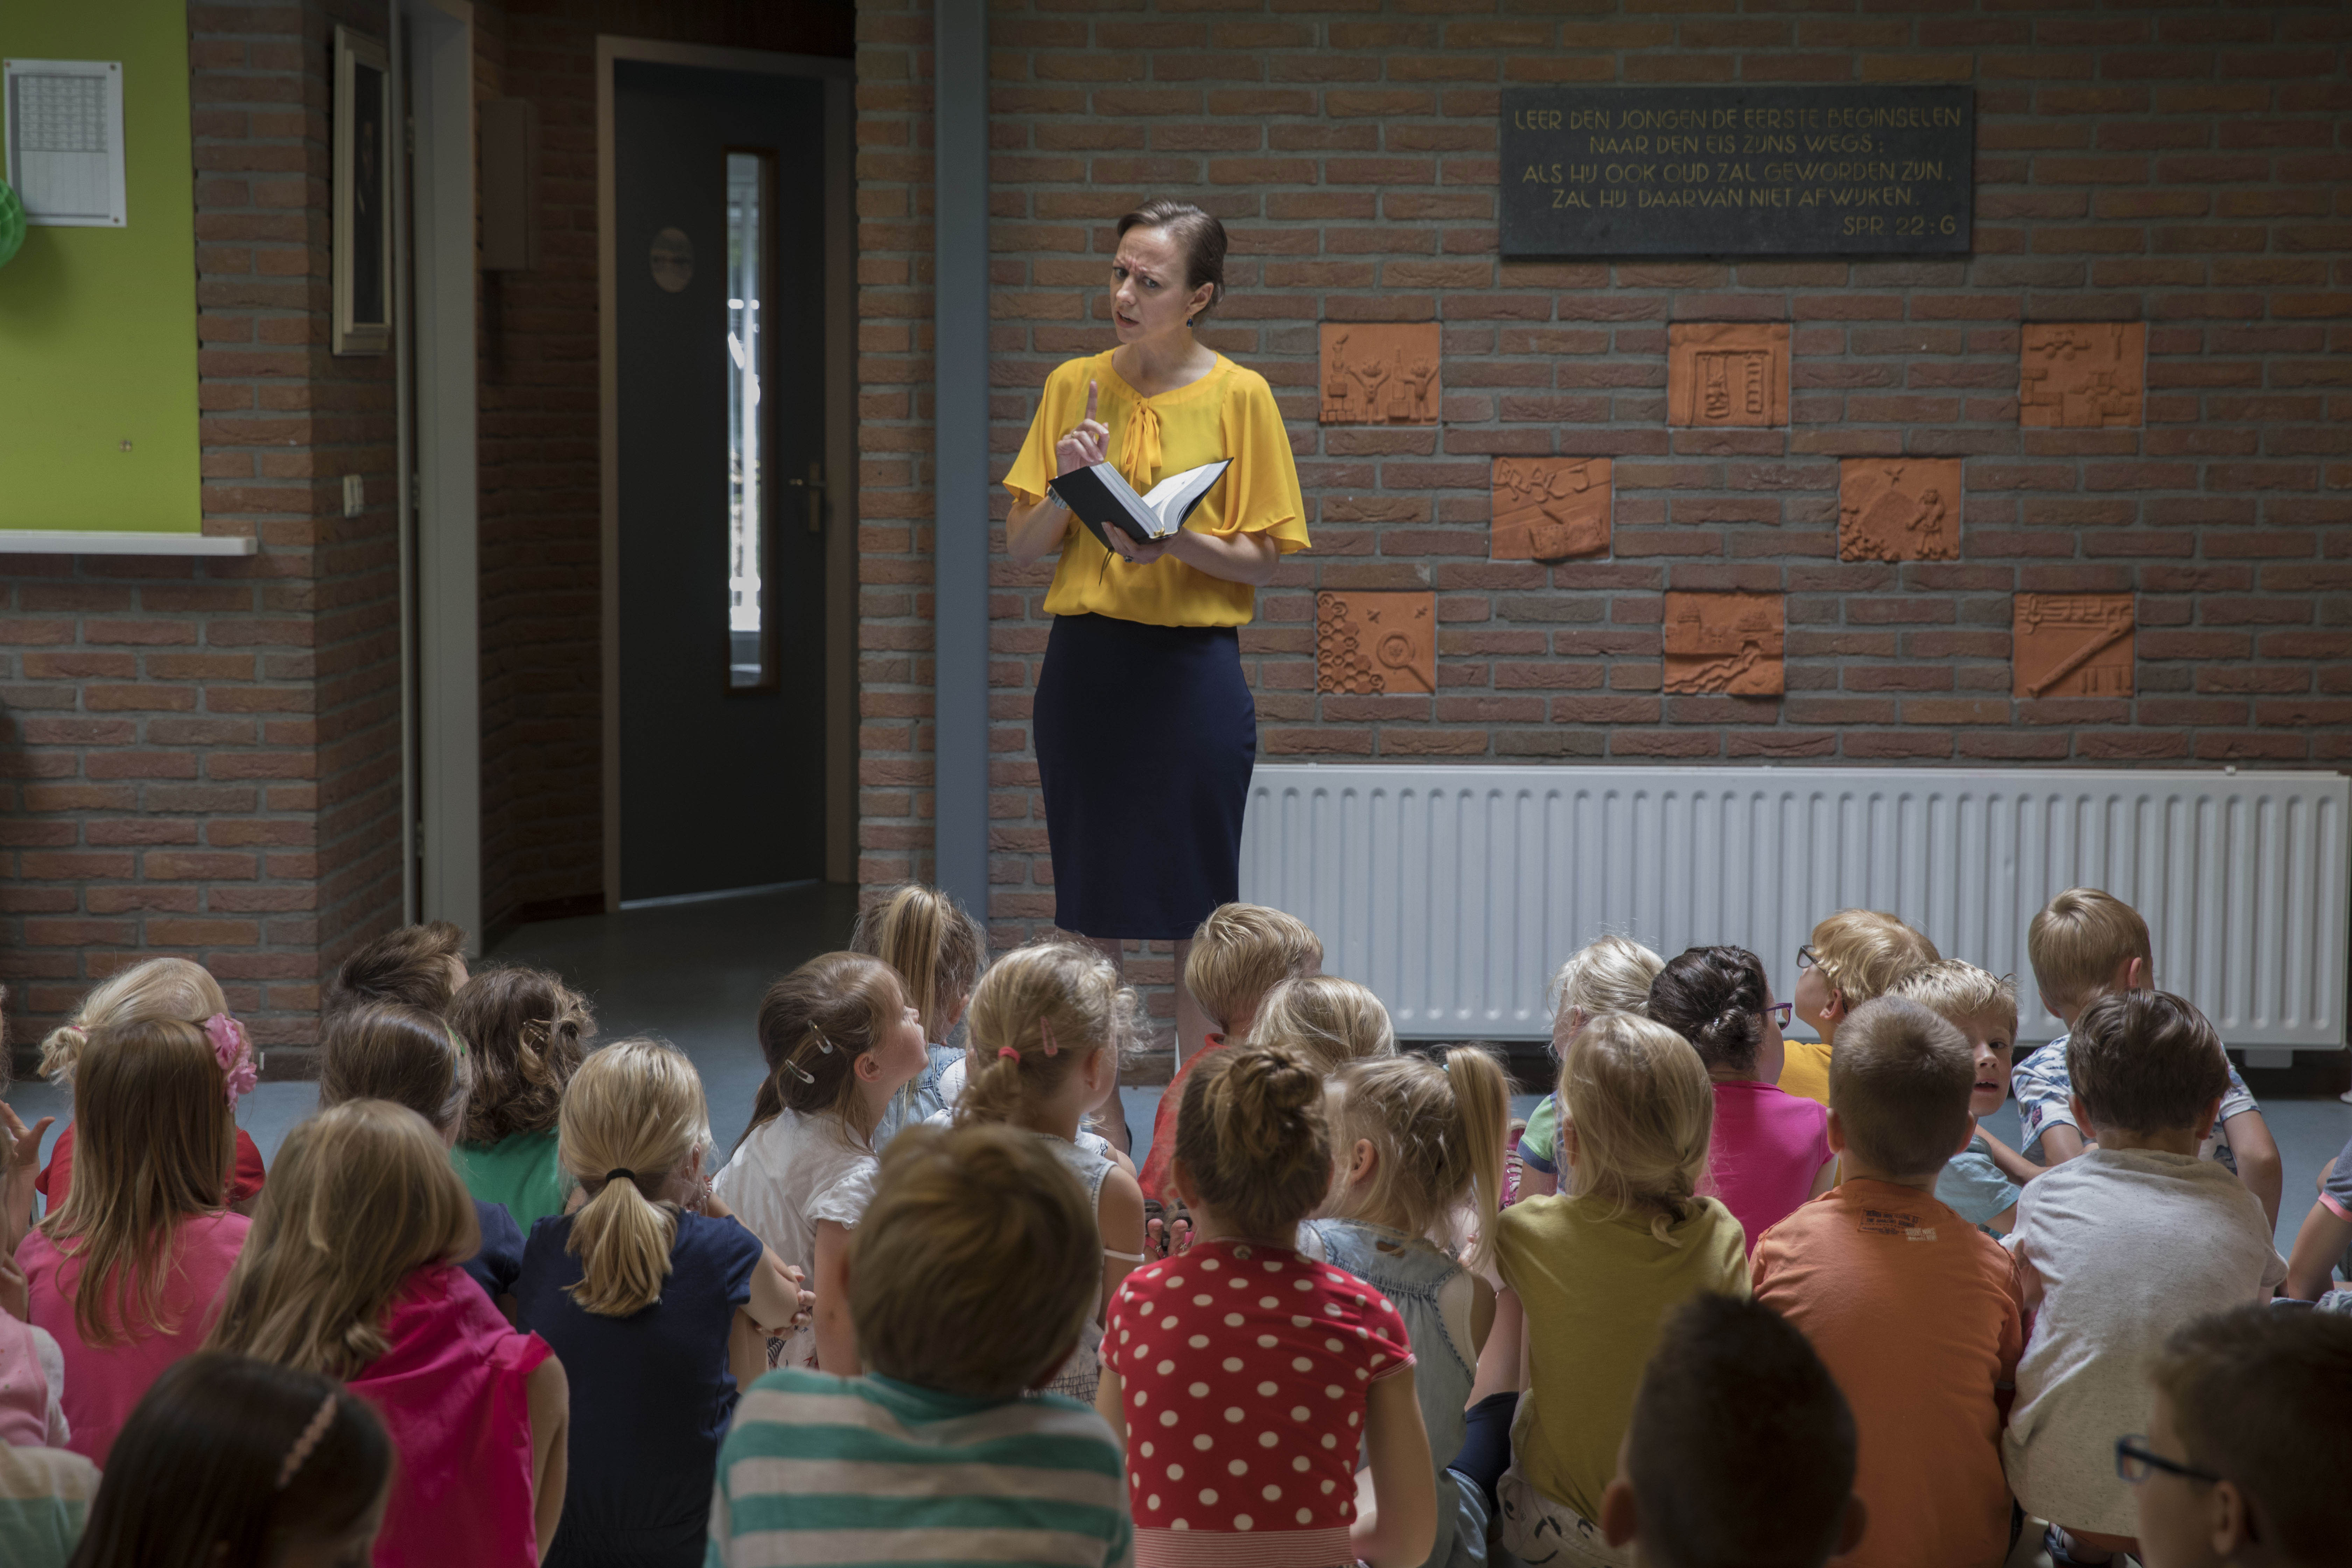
{"x":1963,"y":994}
{"x":1437,"y":1133}
{"x":1240,"y":953}
{"x":390,"y":1050}
{"x":1899,"y":1082}
{"x":633,"y":1116}
{"x":1863,"y":953}
{"x":933,"y":943}
{"x":1609,"y":975}
{"x":361,"y":1196}
{"x":1048,"y":1005}
{"x":1254,"y":1139}
{"x":526,"y":1031}
{"x":153,"y":1140}
{"x":2078,"y":941}
{"x":815,"y":1024}
{"x":1638,"y":1097}
{"x":1329,"y":1021}
{"x":972,"y":1225}
{"x":154,"y":988}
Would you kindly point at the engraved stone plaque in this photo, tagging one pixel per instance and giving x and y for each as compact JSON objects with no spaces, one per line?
{"x":1725,"y":643}
{"x":2082,"y":376}
{"x":1899,"y":508}
{"x":2072,"y":644}
{"x":1548,"y":508}
{"x":1367,"y":643}
{"x":1380,"y":373}
{"x":1722,"y":374}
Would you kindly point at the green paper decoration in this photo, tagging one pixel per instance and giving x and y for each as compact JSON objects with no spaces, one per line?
{"x":12,"y":223}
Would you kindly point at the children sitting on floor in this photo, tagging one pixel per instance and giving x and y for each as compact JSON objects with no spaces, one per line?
{"x":1918,"y":1314}
{"x":1981,"y":1182}
{"x":1047,"y":1022}
{"x":939,"y":951}
{"x":841,"y":1038}
{"x":1740,"y":1449}
{"x":2086,"y":944}
{"x":653,"y":1297}
{"x":351,"y":1271}
{"x":1597,"y":1269}
{"x":2121,"y":1244}
{"x":129,"y":1271}
{"x":1854,"y":955}
{"x":2247,"y":1448}
{"x":1771,"y":1148}
{"x":935,"y":1455}
{"x":1610,"y":974}
{"x":421,"y":965}
{"x":1244,"y":1378}
{"x":1329,"y":1021}
{"x":1420,"y":1148}
{"x":525,"y":1033}
{"x":1239,"y":953}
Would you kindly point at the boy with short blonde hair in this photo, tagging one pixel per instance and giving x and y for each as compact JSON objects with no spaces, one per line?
{"x":1855,"y":955}
{"x":1981,"y":1181}
{"x":2086,"y":944}
{"x":1239,"y":953}
{"x":1918,"y":1314}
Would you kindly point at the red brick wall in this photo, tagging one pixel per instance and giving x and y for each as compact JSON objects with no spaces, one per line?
{"x":199,"y":757}
{"x":2189,"y":167}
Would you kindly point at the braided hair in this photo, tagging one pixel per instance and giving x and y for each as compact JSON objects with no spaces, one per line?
{"x":1715,"y":997}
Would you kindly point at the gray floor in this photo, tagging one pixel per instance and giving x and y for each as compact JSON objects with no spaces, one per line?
{"x":693,"y":974}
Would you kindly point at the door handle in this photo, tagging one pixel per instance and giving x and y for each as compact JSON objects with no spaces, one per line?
{"x":813,"y":487}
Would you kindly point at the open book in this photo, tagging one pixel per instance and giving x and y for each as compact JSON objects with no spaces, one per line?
{"x":1102,"y":499}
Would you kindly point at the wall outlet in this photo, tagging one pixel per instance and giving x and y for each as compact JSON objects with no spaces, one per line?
{"x":355,"y":495}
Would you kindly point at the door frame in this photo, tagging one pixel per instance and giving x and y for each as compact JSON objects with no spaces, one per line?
{"x":840,"y":683}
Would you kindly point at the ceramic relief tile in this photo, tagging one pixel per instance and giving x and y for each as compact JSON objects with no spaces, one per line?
{"x":1380,"y":373}
{"x":1547,"y":509}
{"x":1725,"y":643}
{"x":1722,"y":374}
{"x":1899,"y":508}
{"x":2082,"y":376}
{"x":1367,"y":643}
{"x":2072,"y":644}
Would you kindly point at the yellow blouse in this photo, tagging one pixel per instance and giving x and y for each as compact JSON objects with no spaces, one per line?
{"x":1228,"y":412}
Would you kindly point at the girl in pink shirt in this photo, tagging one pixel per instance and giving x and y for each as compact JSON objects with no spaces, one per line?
{"x":1771,"y":1148}
{"x":353,"y":1272}
{"x":127,"y":1273}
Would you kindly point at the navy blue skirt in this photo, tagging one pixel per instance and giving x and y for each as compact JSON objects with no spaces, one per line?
{"x":1145,"y":737}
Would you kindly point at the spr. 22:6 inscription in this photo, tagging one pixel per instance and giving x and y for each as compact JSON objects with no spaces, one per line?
{"x":1736,"y":171}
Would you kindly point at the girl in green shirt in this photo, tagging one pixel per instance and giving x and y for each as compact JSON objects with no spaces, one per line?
{"x":529,"y":1033}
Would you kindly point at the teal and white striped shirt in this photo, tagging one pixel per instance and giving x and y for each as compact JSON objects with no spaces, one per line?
{"x":867,"y":1471}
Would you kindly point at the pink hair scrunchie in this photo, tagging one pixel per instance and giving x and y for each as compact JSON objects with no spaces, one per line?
{"x":233,"y":1049}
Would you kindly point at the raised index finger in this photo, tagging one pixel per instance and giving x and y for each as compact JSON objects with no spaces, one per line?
{"x":1090,"y":403}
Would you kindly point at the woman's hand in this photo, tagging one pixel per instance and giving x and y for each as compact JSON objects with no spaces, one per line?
{"x":1083,"y":447}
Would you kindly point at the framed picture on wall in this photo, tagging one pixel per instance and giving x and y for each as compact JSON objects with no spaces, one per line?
{"x":362,"y":195}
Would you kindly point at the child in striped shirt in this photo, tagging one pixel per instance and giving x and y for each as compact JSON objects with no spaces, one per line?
{"x":972,"y":1271}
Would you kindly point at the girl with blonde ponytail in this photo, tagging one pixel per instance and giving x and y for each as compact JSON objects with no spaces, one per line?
{"x":654,"y":1296}
{"x":1598,"y":1268}
{"x":1048,"y":1025}
{"x":939,"y":951}
{"x":1419,"y":1148}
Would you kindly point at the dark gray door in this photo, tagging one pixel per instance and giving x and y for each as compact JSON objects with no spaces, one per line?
{"x":718,"y":203}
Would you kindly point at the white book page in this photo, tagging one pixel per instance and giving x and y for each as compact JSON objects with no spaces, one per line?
{"x":1167,"y":499}
{"x":1116,"y":482}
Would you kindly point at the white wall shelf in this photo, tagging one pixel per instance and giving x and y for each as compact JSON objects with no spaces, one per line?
{"x":76,"y":541}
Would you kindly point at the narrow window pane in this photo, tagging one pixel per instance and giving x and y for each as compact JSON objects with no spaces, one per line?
{"x":750,"y":647}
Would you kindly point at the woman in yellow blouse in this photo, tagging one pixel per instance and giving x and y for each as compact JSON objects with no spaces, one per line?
{"x":1144,"y":727}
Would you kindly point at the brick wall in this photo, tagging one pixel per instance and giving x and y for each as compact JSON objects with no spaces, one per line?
{"x":543,"y":738}
{"x":2189,"y":167}
{"x":200,"y":757}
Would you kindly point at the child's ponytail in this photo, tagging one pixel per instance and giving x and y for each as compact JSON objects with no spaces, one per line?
{"x":933,"y":941}
{"x":175,"y":988}
{"x":633,"y":1116}
{"x":1439,"y":1131}
{"x":1038,"y":1011}
{"x":1253,"y":1140}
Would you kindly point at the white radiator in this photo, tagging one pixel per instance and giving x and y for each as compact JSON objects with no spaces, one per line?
{"x":1454,"y":893}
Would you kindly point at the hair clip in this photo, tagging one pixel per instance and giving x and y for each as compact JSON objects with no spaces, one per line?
{"x":800,"y":1072}
{"x":233,"y":1050}
{"x":821,"y":1043}
{"x":1045,"y":1031}
{"x":309,"y":1440}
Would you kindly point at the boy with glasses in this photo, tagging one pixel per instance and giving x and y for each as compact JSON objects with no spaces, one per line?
{"x":1855,"y":955}
{"x":2247,"y":1446}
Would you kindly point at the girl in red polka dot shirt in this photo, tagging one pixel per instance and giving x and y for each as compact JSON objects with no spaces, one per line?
{"x":1243,"y":1378}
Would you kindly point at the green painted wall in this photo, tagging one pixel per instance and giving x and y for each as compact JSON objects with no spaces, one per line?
{"x":98,"y":326}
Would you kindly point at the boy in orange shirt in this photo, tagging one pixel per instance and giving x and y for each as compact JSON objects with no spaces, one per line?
{"x":1855,"y":955}
{"x":1918,"y":1314}
{"x":1239,"y":953}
